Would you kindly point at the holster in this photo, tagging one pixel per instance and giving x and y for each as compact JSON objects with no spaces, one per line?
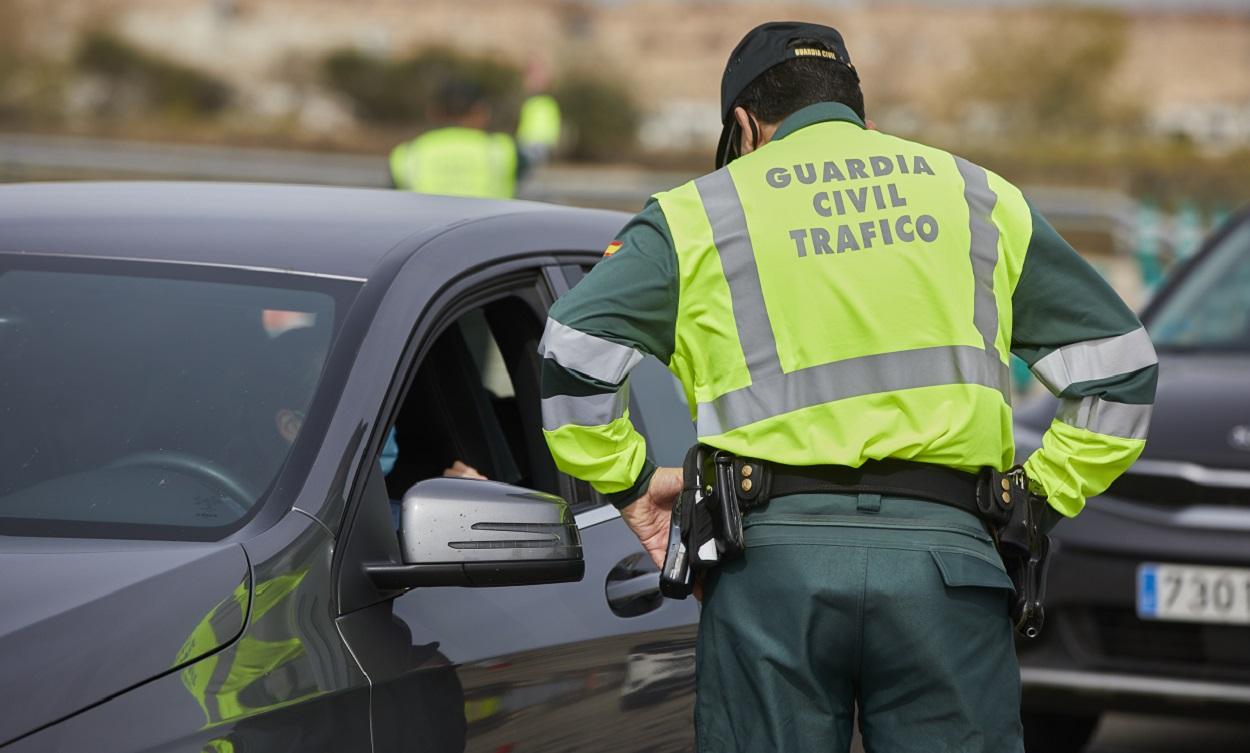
{"x":677,"y":576}
{"x":1014,"y":516}
{"x":706,"y":524}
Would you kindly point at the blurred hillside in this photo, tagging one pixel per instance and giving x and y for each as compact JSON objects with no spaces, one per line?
{"x":1152,"y":102}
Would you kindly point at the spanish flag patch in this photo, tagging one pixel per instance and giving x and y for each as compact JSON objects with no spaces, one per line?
{"x":612,"y":248}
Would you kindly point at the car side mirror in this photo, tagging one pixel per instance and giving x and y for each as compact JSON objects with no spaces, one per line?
{"x":469,"y":532}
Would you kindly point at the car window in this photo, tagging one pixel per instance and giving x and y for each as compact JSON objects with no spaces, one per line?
{"x":1210,"y":309}
{"x":474,"y":399}
{"x":136,"y":404}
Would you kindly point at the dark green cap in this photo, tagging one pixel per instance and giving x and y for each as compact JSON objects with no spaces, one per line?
{"x":762,"y":48}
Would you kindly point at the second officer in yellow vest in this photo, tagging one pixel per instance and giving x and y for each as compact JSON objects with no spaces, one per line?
{"x":841,"y":304}
{"x":460,"y":157}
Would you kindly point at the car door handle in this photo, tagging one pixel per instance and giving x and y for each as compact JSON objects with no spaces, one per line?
{"x":636,"y":587}
{"x":633,"y":587}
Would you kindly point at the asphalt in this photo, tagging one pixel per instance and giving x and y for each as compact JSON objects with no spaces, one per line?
{"x":1122,"y":733}
{"x":1131,"y":733}
{"x":26,"y":157}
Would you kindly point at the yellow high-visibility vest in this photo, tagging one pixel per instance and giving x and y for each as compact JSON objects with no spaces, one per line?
{"x":782,"y":255}
{"x":457,"y":161}
{"x":539,"y":123}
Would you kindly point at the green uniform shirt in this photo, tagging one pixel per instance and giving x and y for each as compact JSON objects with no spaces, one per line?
{"x":1060,"y":306}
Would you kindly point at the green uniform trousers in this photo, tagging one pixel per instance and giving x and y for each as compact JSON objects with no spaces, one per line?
{"x":896,"y":606}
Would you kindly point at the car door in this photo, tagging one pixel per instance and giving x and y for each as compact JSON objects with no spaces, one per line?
{"x":605,"y":664}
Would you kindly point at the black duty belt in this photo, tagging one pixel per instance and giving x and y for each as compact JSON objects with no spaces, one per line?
{"x":706,"y":524}
{"x":904,"y":478}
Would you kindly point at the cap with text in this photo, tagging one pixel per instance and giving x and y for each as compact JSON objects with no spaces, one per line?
{"x":762,"y":48}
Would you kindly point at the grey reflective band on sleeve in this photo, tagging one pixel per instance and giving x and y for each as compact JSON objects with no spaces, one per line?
{"x":595,"y":357}
{"x":1105,"y":417}
{"x":585,"y":410}
{"x":1095,"y":359}
{"x":983,"y":242}
{"x":826,"y":383}
{"x":737,"y":257}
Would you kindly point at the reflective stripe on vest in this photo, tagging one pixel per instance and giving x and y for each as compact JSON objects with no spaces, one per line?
{"x":983,"y":247}
{"x":773,"y":392}
{"x":1124,"y":420}
{"x":585,"y":410}
{"x":844,"y":295}
{"x":1092,"y":360}
{"x":595,"y":357}
{"x":603,"y":360}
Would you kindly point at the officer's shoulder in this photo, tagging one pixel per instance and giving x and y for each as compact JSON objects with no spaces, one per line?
{"x":1002,"y":187}
{"x":661,"y":201}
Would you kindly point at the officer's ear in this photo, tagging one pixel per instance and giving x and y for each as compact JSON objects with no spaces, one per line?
{"x":752,"y":134}
{"x":871,"y":125}
{"x":748,"y":131}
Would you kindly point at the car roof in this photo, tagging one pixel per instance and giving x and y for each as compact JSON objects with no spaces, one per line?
{"x":303,"y":229}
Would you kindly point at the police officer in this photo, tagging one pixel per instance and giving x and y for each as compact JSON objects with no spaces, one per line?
{"x":841,"y":304}
{"x":460,"y":157}
{"x":538,"y":127}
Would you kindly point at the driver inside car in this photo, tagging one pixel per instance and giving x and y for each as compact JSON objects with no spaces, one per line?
{"x":300,"y":347}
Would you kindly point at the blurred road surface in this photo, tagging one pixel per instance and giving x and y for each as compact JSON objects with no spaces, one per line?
{"x":36,"y":157}
{"x":39,"y":157}
{"x":1127,"y":733}
{"x":1120,"y":733}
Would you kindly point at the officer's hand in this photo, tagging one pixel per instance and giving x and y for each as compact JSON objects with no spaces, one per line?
{"x":649,"y":515}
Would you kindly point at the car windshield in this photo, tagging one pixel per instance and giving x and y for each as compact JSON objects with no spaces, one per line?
{"x":150,"y":400}
{"x":1210,"y":310}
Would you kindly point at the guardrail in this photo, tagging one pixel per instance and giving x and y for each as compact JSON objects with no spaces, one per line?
{"x":35,"y":157}
{"x":32,"y":157}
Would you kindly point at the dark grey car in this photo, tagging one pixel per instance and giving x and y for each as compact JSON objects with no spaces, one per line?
{"x":198,"y":545}
{"x":1148,"y":606}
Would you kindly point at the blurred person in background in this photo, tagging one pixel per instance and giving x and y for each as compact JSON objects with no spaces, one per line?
{"x":538,"y":129}
{"x":461,"y":157}
{"x":839,"y":305}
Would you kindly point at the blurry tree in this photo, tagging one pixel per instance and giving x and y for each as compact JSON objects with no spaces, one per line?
{"x":31,"y":84}
{"x":11,"y":36}
{"x":598,"y":112}
{"x":601,"y":115}
{"x":142,"y":81}
{"x":1052,"y":73}
{"x":11,"y":44}
{"x":399,"y":91}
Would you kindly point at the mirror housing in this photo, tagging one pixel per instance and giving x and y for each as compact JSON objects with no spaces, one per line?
{"x":469,"y":532}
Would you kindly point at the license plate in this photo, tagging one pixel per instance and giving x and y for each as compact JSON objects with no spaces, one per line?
{"x":1193,"y":593}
